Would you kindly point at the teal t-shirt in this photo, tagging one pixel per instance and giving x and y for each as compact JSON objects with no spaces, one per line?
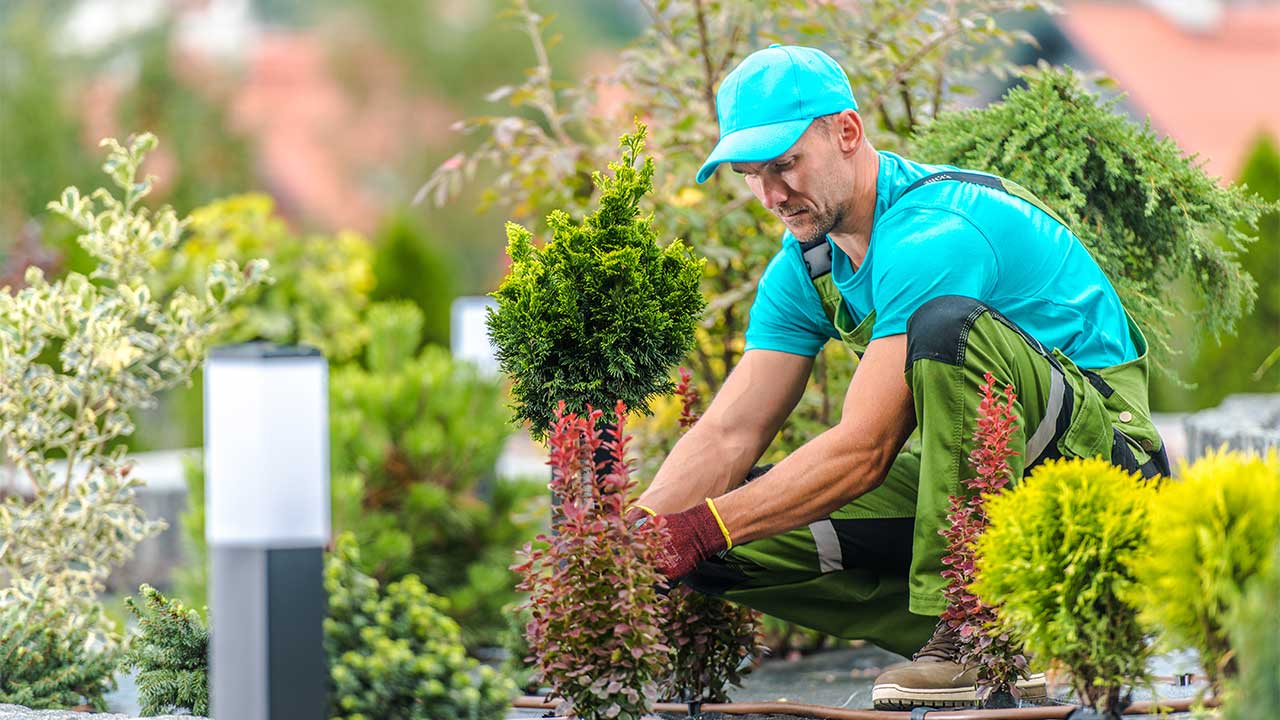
{"x":950,"y":238}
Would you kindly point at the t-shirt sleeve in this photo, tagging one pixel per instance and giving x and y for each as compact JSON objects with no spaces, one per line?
{"x":926,"y":252}
{"x":787,"y":315}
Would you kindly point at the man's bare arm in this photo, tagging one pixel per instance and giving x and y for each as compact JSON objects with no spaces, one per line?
{"x":715,"y":454}
{"x":837,"y":466}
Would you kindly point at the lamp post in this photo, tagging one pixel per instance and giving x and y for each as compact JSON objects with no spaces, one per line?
{"x":267,"y":522}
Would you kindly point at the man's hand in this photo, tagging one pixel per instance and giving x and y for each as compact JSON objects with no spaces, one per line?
{"x":692,"y":536}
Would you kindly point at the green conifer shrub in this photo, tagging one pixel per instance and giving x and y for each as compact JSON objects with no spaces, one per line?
{"x":1055,"y":561}
{"x":1255,"y":636}
{"x":395,"y":655}
{"x":602,"y":312}
{"x":415,"y":438}
{"x":1212,"y":530}
{"x":170,"y":654}
{"x":47,"y":657}
{"x":1147,"y":212}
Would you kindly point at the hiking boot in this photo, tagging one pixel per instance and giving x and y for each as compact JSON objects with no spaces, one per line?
{"x":936,"y":678}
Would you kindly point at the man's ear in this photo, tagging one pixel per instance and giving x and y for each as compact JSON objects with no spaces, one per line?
{"x":849,"y":131}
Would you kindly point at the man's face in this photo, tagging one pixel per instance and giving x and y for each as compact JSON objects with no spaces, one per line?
{"x":808,"y":187}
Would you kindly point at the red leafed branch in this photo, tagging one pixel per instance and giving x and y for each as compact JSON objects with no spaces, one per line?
{"x":592,"y":583}
{"x":999,"y":660}
{"x":711,"y":638}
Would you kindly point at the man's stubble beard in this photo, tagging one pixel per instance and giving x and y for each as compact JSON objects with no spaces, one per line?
{"x":822,"y":224}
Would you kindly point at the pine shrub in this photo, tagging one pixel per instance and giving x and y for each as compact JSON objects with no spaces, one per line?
{"x":595,"y":632}
{"x":1056,"y":562}
{"x":601,"y":313}
{"x":710,"y":638}
{"x":1211,"y":531}
{"x":984,"y":645}
{"x":1148,"y":213}
{"x":416,"y":436}
{"x":48,"y":659}
{"x":395,"y":655}
{"x":170,"y":654}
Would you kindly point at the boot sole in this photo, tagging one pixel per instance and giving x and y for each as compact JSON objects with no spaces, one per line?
{"x":891,"y":696}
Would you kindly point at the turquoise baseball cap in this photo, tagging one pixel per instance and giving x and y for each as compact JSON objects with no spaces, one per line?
{"x":767,"y":102}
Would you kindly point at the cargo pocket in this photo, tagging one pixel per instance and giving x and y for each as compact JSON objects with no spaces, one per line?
{"x":1089,"y":432}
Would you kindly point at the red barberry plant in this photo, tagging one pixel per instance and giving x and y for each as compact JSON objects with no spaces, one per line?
{"x":999,"y":659}
{"x":593,"y":585}
{"x":711,"y":638}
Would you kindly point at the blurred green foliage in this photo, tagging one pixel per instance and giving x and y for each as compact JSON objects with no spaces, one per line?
{"x":415,"y":439}
{"x":1234,"y":365}
{"x":1255,"y":635}
{"x":394,"y":653}
{"x":409,"y":265}
{"x":322,"y":285}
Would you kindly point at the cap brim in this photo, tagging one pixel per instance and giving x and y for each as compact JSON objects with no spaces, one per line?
{"x":754,"y":144}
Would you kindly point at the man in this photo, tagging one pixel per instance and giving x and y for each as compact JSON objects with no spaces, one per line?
{"x":933,"y":277}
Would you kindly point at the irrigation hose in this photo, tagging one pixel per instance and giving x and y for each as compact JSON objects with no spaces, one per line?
{"x":1045,"y":712}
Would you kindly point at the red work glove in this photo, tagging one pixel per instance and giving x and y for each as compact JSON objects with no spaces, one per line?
{"x":692,"y":536}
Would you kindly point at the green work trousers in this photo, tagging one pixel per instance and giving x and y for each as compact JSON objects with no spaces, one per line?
{"x":872,"y":570}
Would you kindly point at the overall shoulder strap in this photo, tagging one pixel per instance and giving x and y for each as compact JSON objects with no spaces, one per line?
{"x":1007,"y":186}
{"x":817,"y":253}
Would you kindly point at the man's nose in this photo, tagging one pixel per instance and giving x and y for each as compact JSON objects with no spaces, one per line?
{"x":773,"y":193}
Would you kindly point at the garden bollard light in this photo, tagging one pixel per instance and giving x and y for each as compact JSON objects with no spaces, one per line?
{"x":267,"y":523}
{"x":468,"y":334}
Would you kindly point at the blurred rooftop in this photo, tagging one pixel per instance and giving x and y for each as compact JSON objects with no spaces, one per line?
{"x":1206,"y":73}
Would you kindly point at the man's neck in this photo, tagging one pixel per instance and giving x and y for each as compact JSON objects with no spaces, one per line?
{"x":853,"y":234}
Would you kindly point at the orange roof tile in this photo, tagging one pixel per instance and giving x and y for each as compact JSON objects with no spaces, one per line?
{"x":1213,"y":93}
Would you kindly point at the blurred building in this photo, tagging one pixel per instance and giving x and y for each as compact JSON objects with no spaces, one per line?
{"x":1204,"y":71}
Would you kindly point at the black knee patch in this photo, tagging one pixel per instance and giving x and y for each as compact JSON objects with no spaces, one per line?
{"x":939,"y":329}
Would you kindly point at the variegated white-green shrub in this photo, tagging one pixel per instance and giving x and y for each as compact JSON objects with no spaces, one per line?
{"x":76,"y":356}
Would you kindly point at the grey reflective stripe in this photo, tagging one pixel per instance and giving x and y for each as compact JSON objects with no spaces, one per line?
{"x":818,"y":259}
{"x":1043,"y":435}
{"x":830,"y":558}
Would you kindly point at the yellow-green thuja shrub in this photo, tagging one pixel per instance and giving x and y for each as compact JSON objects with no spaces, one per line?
{"x":1211,"y":530}
{"x":1055,"y":562}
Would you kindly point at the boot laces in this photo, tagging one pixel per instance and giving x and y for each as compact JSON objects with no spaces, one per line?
{"x":943,"y":646}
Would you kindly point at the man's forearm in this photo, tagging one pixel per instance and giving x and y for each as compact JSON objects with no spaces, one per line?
{"x":704,"y":463}
{"x":817,"y":479}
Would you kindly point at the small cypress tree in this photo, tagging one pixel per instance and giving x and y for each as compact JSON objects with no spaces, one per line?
{"x":171,"y":655}
{"x":601,"y":313}
{"x":1148,"y":213}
